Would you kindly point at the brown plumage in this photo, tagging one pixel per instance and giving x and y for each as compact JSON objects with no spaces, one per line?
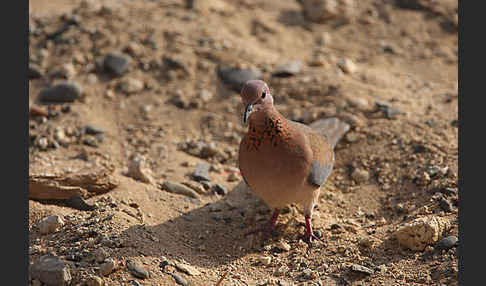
{"x":282,"y":161}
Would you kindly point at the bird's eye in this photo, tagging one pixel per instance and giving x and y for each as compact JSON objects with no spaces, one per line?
{"x":264,"y":94}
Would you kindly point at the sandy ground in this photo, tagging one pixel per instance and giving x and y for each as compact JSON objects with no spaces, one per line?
{"x":406,"y":60}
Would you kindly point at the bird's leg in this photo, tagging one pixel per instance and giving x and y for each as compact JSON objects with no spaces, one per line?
{"x":309,"y":233}
{"x":268,"y":227}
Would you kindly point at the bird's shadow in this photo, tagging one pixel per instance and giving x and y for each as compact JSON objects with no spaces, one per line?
{"x":208,"y":237}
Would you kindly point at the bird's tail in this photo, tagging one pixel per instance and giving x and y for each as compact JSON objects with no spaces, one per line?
{"x":331,"y":128}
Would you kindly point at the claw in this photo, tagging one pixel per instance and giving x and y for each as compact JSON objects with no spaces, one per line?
{"x":309,"y":234}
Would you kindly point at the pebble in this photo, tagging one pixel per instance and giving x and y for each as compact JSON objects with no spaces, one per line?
{"x":196,"y":187}
{"x":361,"y":269}
{"x":93,"y":281}
{"x":108,"y":266}
{"x":288,"y":69}
{"x":50,"y":224}
{"x":88,"y":129}
{"x":360,"y":175}
{"x":67,"y":71}
{"x":347,"y":66}
{"x":131,"y":85}
{"x":188,"y":269}
{"x":282,"y":245}
{"x":179,"y":280}
{"x":447,"y":243}
{"x":232,"y":177}
{"x":51,"y":270}
{"x":137,"y":270}
{"x":422,"y":231}
{"x":265,"y":260}
{"x":201,"y":172}
{"x":180,"y":189}
{"x":236,"y":77}
{"x":220,"y":189}
{"x":116,"y":63}
{"x":137,"y":170}
{"x":61,"y":92}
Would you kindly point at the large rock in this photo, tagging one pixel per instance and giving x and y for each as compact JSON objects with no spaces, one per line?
{"x":51,"y":270}
{"x":50,"y":224}
{"x":421,"y":232}
{"x":61,"y":93}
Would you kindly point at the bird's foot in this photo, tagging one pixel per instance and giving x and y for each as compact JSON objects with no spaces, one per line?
{"x":309,"y":234}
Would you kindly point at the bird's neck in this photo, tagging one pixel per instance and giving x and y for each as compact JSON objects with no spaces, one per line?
{"x":266,"y":126}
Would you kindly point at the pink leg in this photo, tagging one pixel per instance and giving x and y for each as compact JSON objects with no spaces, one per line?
{"x":309,"y":233}
{"x":268,"y":227}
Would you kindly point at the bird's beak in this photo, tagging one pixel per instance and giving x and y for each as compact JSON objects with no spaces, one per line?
{"x":248,"y":109}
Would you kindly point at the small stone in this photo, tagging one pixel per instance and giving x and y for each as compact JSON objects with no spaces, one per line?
{"x":220,"y":189}
{"x":367,"y":242}
{"x":179,"y":280}
{"x":196,"y":187}
{"x":116,"y":63}
{"x":94,"y":281}
{"x":361,"y":269}
{"x":360,"y":175}
{"x":201,"y":172}
{"x":282,"y":245}
{"x":131,"y":85}
{"x":137,"y":270}
{"x":421,"y":232}
{"x":447,"y":243}
{"x":138,"y":171}
{"x":108,"y":266}
{"x":88,"y":129}
{"x":347,"y":66}
{"x":50,"y":224}
{"x":188,"y":269}
{"x":236,"y":77}
{"x":51,"y":270}
{"x":265,"y":260}
{"x":288,"y":69}
{"x":61,"y":92}
{"x":180,"y":189}
{"x":351,"y":137}
{"x":324,"y":39}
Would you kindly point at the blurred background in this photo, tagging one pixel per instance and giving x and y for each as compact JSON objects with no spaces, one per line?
{"x":126,"y":96}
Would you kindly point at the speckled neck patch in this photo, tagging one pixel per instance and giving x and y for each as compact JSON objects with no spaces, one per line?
{"x":271,"y":132}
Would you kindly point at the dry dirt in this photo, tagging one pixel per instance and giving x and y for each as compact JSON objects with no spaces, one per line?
{"x":405,"y":58}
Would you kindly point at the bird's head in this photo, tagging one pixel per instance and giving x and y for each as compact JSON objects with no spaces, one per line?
{"x":255,"y":95}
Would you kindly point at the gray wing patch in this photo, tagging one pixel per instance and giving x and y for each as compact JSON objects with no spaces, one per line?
{"x":319,"y":173}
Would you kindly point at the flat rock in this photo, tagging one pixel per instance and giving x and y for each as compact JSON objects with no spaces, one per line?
{"x":447,"y":243}
{"x":179,"y":280}
{"x":201,"y":172}
{"x":137,"y":270}
{"x":188,"y":269}
{"x":421,"y":232}
{"x":116,"y":63}
{"x":51,"y":270}
{"x":180,"y":189}
{"x":61,"y":93}
{"x":361,"y":269}
{"x":287,"y":69}
{"x":236,"y":77}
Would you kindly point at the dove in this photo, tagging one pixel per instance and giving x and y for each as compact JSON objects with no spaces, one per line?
{"x":283,"y":161}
